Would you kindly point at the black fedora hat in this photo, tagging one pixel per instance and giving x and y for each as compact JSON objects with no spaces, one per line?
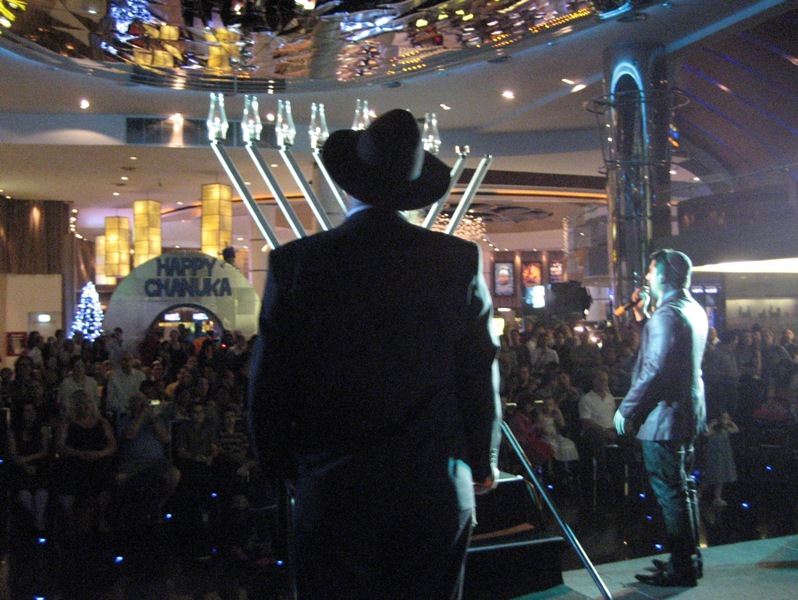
{"x":386,"y":165}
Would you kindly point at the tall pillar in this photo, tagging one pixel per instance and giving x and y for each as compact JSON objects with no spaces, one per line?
{"x":635,"y":122}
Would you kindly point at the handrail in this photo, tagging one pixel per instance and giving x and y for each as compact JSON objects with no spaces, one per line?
{"x":510,"y":436}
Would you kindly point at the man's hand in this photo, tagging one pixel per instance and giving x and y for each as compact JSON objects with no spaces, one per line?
{"x":483,"y":487}
{"x":620,"y":422}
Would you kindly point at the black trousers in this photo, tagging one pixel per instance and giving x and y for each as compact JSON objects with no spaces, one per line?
{"x":389,"y":556}
{"x":668,"y":465}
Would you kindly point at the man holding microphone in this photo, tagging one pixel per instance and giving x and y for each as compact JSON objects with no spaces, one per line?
{"x":666,"y":405}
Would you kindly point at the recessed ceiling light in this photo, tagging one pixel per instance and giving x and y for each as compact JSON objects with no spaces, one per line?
{"x":123,"y":178}
{"x":568,"y":81}
{"x":672,"y":171}
{"x":696,"y":179}
{"x":247,"y":183}
{"x":180,"y":204}
{"x":508,"y":94}
{"x":446,"y":107}
{"x":134,"y":158}
{"x":240,"y":239}
{"x":84,"y":104}
{"x":274,"y":165}
{"x":116,"y":193}
{"x":270,"y":116}
{"x":578,"y":88}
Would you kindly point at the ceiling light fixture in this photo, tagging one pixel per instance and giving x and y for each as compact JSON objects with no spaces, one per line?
{"x":578,"y":88}
{"x":508,"y":95}
{"x":567,"y":81}
{"x":84,"y":104}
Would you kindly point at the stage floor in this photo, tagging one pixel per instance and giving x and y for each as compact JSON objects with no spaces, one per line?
{"x":759,"y":569}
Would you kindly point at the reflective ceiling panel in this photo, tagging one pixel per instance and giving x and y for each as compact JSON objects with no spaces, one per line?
{"x":282,"y":45}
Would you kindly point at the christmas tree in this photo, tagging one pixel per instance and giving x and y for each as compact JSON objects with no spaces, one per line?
{"x":89,"y":314}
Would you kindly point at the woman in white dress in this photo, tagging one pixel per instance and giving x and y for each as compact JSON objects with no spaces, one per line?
{"x":552,"y":422}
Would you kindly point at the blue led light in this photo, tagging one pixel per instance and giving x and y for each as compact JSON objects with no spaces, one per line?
{"x":745,"y":505}
{"x":768,"y":468}
{"x":649,"y":518}
{"x":168,"y":516}
{"x":279,"y":563}
{"x":119,"y":559}
{"x":213,"y":550}
{"x":658,"y":546}
{"x":642,"y":495}
{"x":550,"y":486}
{"x":214,"y":494}
{"x":42,"y":540}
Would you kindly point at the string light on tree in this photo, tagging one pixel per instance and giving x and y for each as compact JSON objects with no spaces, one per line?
{"x":89,"y":314}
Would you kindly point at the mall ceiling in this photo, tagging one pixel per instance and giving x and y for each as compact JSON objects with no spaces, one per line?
{"x":502,"y":82}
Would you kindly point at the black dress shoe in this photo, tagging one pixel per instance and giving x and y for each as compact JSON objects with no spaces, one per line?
{"x":663,"y":565}
{"x":668,"y":578}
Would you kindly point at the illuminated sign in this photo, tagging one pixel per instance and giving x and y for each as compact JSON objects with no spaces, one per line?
{"x":186,"y":276}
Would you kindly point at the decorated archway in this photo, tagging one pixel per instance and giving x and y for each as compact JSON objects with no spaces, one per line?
{"x":182,"y":279}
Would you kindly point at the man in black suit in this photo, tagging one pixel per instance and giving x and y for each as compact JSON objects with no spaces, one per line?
{"x":374,"y":386}
{"x":666,"y":401}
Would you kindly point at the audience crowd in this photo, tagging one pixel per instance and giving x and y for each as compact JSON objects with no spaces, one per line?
{"x":97,"y":424}
{"x":560,"y":387}
{"x":97,"y":432}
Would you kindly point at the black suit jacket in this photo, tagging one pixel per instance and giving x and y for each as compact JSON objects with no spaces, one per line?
{"x":375,"y":366}
{"x":666,"y":398}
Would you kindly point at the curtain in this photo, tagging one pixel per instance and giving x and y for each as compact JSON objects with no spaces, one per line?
{"x":33,"y":236}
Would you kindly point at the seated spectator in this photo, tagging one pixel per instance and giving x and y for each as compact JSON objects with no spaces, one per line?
{"x":123,"y":382}
{"x":787,"y":342}
{"x":184,"y":379}
{"x":29,"y":446}
{"x":596,"y":412}
{"x":552,"y":423}
{"x":529,"y":434}
{"x":143,"y":460}
{"x":525,"y":385}
{"x":196,"y":445}
{"x":235,"y":466}
{"x":86,"y":444}
{"x":777,"y":367}
{"x":567,"y":398}
{"x":6,"y":379}
{"x":542,"y":355}
{"x":585,"y":358}
{"x":77,"y":380}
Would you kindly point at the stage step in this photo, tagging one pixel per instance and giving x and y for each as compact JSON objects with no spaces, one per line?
{"x":511,"y":555}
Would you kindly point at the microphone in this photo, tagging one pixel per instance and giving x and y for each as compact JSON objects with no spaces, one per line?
{"x":642,"y":294}
{"x":622,"y":309}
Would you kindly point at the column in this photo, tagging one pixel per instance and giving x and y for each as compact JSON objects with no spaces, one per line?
{"x":637,"y":110}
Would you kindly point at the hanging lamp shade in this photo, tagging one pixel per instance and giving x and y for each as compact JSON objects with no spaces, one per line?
{"x":117,"y":246}
{"x":100,"y":278}
{"x":146,"y":231}
{"x":217,"y":218}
